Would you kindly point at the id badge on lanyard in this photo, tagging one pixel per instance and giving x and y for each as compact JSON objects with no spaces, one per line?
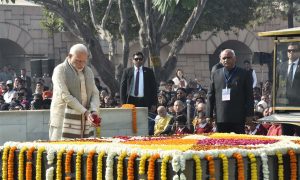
{"x":226,"y":94}
{"x":226,"y":91}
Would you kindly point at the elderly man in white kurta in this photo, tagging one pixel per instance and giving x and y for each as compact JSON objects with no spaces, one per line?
{"x":75,"y":97}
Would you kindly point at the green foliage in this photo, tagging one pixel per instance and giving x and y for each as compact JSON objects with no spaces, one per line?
{"x":217,"y":15}
{"x":54,"y":24}
{"x":270,"y":9}
{"x":51,"y":22}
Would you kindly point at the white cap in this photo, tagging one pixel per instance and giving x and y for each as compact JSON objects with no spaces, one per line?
{"x":261,"y":106}
{"x":9,"y":82}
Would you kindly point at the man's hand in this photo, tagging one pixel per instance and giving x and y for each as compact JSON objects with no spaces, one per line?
{"x":90,"y":117}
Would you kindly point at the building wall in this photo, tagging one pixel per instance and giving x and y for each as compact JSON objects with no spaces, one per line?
{"x":21,"y":25}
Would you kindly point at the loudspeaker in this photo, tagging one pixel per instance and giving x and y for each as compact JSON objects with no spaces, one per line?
{"x":262,"y":58}
{"x":36,"y":67}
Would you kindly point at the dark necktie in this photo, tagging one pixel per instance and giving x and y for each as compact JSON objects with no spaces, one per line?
{"x":136,"y":86}
{"x":290,"y":75}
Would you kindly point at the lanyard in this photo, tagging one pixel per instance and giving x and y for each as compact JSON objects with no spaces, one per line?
{"x":227,"y":79}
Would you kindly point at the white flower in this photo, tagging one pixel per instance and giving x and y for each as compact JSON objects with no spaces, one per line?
{"x":265,"y":168}
{"x":182,"y":176}
{"x":176,"y":177}
{"x":50,"y":156}
{"x":182,"y":163}
{"x":49,"y":173}
{"x":109,"y":166}
{"x":176,"y":163}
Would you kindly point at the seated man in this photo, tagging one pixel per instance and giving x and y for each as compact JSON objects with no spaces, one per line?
{"x":178,"y":124}
{"x":200,"y":124}
{"x":254,"y":128}
{"x":161,"y":120}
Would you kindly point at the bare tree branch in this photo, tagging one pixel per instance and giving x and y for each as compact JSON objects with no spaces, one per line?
{"x":105,"y":17}
{"x":188,"y":28}
{"x":123,"y":29}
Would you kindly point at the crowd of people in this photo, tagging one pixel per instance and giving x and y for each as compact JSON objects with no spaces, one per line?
{"x":181,"y":103}
{"x":21,"y":92}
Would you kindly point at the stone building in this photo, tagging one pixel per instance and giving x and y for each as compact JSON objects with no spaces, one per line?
{"x":25,"y":44}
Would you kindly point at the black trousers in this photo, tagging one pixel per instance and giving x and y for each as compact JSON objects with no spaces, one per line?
{"x":137,"y":101}
{"x":238,"y":128}
{"x":290,"y":130}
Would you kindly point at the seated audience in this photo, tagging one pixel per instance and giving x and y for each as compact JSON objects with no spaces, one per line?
{"x":255,"y":128}
{"x":178,"y":124}
{"x":161,"y":120}
{"x":200,"y":124}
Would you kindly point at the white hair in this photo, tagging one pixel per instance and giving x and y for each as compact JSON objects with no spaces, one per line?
{"x":78,"y":48}
{"x":228,"y":50}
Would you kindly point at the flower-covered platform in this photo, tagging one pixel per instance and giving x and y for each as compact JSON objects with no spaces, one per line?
{"x":211,"y":156}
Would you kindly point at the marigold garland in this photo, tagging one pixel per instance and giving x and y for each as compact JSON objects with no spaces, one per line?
{"x":142,"y":164}
{"x":89,"y":165}
{"x":99,"y":165}
{"x":10,"y":163}
{"x":197,"y":160}
{"x":78,"y":164}
{"x":211,"y":167}
{"x":68,"y":164}
{"x":4,"y":162}
{"x":293,"y":164}
{"x":21,"y":163}
{"x":134,"y":120}
{"x":224,"y":159}
{"x":38,"y":174}
{"x":29,"y":163}
{"x":253,"y":165}
{"x":280,"y":165}
{"x":120,"y":165}
{"x":164,"y":166}
{"x":59,"y":164}
{"x":240,"y":165}
{"x":130,"y":167}
{"x":151,"y":166}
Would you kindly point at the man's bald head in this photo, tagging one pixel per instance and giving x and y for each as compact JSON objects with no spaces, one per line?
{"x":161,"y":111}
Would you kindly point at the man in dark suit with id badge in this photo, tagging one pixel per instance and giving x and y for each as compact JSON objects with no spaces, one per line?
{"x":230,"y":94}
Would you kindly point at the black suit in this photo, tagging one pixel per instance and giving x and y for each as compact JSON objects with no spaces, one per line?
{"x":150,"y":87}
{"x":27,"y":81}
{"x":288,"y":94}
{"x":230,"y":114}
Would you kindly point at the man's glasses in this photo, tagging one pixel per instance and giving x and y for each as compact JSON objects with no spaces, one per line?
{"x":292,"y":50}
{"x":138,"y":59}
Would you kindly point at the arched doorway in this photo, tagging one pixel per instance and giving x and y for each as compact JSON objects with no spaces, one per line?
{"x":12,"y":55}
{"x":242,"y":52}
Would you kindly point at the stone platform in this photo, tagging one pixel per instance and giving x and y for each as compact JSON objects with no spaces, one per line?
{"x":32,"y":125}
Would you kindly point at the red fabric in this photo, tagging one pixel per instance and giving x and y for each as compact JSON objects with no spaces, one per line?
{"x":47,"y":95}
{"x":206,"y":129}
{"x":185,"y":130}
{"x":275,"y":130}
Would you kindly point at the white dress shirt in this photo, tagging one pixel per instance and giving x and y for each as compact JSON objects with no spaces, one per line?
{"x":294,"y":67}
{"x":141,"y":82}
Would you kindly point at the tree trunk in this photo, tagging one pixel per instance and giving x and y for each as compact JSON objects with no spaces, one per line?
{"x":104,"y":67}
{"x":290,"y":14}
{"x":79,"y":28}
{"x":143,"y":32}
{"x":182,"y":38}
{"x":123,"y":29}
